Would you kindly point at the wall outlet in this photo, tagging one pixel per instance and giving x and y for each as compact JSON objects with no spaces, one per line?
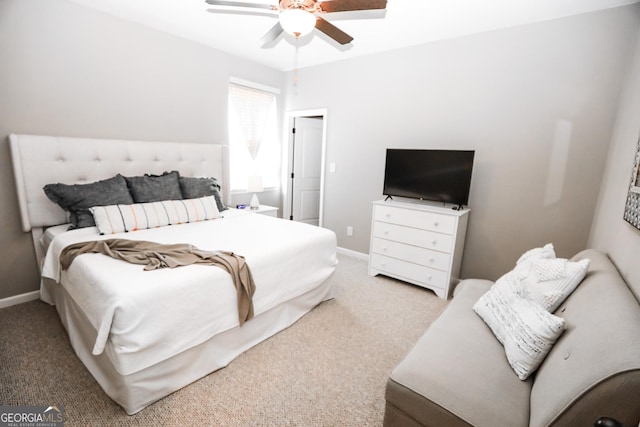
{"x":332,"y":167}
{"x":349,"y":230}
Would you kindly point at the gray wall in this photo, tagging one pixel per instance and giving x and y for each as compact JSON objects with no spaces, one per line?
{"x":68,"y":70}
{"x":506,"y":94}
{"x":610,"y":233}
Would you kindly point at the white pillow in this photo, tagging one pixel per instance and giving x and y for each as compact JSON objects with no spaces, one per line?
{"x":546,"y":252}
{"x":550,"y":281}
{"x":524,"y":328}
{"x":122,"y":218}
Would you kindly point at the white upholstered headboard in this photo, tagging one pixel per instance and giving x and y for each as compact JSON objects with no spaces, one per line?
{"x":40,"y":160}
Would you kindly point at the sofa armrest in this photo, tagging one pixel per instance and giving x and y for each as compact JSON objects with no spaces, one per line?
{"x":480,"y":284}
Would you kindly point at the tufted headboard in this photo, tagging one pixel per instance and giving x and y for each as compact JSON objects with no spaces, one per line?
{"x":40,"y":160}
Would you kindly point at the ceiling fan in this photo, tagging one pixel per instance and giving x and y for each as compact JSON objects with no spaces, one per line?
{"x":300,"y":17}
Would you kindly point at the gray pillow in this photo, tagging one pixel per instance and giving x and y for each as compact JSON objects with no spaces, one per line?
{"x":194,"y":188}
{"x":155,"y":188}
{"x":78,"y":198}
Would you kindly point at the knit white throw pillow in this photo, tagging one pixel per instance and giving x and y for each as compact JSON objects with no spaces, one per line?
{"x":122,"y":218}
{"x":525,"y":329}
{"x":546,"y":252}
{"x":550,"y":281}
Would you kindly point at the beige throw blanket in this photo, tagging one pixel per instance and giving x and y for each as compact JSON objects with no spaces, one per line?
{"x":156,"y":255}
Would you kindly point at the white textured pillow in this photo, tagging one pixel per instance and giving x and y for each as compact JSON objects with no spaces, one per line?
{"x":525,"y":329}
{"x":121,"y":218}
{"x":546,"y":252}
{"x":550,"y":281}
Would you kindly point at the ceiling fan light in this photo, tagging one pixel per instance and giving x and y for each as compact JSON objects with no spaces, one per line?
{"x":297,"y":22}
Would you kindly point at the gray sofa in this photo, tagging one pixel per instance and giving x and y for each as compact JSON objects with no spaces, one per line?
{"x":457,"y":373}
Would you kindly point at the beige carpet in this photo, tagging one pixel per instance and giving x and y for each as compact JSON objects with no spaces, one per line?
{"x":328,"y":369}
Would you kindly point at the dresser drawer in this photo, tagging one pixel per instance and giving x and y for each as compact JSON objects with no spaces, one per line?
{"x":412,"y":236}
{"x":414,"y":254}
{"x":417,"y":219}
{"x":415,"y":273}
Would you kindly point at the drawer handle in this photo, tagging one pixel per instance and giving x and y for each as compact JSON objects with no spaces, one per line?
{"x":385,"y":232}
{"x":434,"y":242}
{"x":384,"y":264}
{"x":384,"y":249}
{"x":429,"y":278}
{"x":388,"y":215}
{"x":431,"y":260}
{"x":436,"y":224}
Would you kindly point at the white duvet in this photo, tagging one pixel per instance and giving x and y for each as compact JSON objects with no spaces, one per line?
{"x":144,"y":317}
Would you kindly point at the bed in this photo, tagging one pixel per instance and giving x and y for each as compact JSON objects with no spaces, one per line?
{"x":145,"y":334}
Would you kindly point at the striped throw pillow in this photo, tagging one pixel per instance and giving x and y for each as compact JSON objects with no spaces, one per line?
{"x":123,"y":218}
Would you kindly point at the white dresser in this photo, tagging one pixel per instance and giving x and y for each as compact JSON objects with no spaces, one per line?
{"x":419,"y":243}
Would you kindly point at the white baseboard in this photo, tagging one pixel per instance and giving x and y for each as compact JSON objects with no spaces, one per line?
{"x":354,"y":254}
{"x":19,"y":299}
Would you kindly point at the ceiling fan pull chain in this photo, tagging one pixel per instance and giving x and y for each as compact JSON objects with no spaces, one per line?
{"x":295,"y":67}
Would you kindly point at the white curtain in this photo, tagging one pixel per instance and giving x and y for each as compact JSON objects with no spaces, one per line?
{"x":252,"y":107}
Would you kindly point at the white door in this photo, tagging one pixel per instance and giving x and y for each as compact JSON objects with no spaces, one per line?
{"x":307,"y":169}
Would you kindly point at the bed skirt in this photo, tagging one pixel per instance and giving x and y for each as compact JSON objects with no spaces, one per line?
{"x":138,"y":390}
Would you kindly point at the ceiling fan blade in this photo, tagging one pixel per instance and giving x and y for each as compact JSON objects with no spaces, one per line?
{"x":241,"y":4}
{"x":332,"y":31}
{"x":347,"y":5}
{"x":272,"y":34}
{"x":252,"y":12}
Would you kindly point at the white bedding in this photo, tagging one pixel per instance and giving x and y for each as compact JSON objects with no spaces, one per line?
{"x":50,"y":233}
{"x":133,"y":318}
{"x":145,"y":317}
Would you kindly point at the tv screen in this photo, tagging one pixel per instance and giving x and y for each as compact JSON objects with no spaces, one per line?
{"x":437,"y":175}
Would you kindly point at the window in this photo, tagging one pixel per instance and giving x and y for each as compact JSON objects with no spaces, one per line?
{"x":254,"y":147}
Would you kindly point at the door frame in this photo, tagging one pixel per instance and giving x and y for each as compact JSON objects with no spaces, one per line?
{"x":289,"y":118}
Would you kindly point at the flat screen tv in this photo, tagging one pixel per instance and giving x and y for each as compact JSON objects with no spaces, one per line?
{"x":436,"y":175}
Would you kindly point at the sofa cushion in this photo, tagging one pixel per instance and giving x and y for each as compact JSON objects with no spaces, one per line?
{"x":457,"y":372}
{"x":596,"y":362}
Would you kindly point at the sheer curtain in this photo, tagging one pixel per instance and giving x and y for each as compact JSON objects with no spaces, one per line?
{"x":254,"y":146}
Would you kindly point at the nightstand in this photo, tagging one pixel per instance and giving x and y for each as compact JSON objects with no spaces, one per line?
{"x":265,"y":210}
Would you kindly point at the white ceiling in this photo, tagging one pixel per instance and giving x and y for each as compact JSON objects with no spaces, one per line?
{"x":405,"y":23}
